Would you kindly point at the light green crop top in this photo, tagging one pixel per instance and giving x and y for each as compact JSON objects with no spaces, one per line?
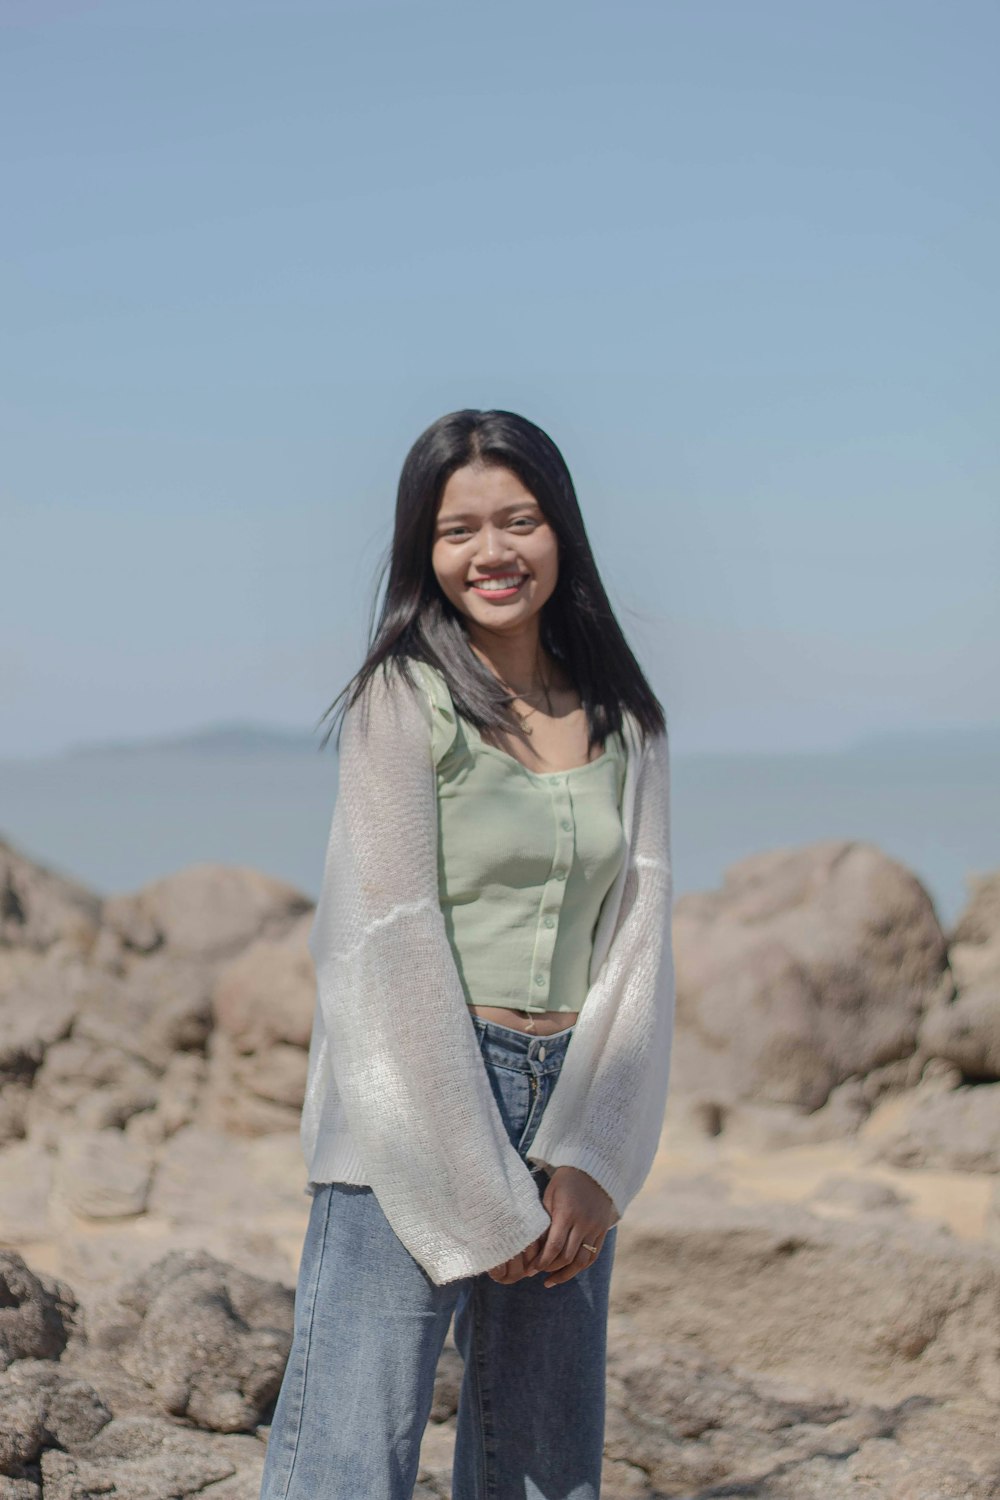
{"x":525,"y":861}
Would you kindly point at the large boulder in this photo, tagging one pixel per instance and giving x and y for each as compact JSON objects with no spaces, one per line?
{"x":206,"y":911}
{"x":213,"y":1340}
{"x":966,"y":1030}
{"x":267,"y":994}
{"x":40,"y":908}
{"x":810,"y":966}
{"x":160,"y":1006}
{"x":263,"y":1001}
{"x":101,"y":1174}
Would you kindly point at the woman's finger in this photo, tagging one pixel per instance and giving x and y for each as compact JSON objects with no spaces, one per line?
{"x":583,"y":1258}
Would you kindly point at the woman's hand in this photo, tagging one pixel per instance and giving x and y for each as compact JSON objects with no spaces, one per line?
{"x":581,"y":1212}
{"x":512,"y":1270}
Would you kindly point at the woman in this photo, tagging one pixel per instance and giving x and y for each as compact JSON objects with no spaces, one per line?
{"x":490,"y":1052}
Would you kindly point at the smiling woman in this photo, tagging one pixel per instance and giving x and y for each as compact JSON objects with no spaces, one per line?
{"x":491,"y":1046}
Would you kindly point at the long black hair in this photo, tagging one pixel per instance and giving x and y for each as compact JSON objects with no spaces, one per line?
{"x":577,"y":627}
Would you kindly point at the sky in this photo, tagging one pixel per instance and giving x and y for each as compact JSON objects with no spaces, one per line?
{"x":738,"y":259}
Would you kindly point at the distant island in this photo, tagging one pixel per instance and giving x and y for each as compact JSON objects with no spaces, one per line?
{"x":220,"y":739}
{"x":244,"y":738}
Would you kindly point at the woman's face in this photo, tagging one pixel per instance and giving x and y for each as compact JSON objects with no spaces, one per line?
{"x":489,"y":526}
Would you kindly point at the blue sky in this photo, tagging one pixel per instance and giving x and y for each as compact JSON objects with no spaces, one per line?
{"x":739,"y":260}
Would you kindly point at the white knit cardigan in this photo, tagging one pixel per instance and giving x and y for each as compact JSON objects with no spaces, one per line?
{"x":397,"y":1096}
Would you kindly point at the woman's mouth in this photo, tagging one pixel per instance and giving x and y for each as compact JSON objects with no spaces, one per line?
{"x":505,"y":586}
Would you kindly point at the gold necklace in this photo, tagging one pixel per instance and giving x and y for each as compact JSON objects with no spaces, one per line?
{"x":522,"y":718}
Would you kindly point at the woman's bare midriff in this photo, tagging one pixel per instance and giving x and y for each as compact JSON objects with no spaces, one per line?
{"x":544,"y":1024}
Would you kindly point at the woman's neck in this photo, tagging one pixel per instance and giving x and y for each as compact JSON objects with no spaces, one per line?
{"x":520,"y":662}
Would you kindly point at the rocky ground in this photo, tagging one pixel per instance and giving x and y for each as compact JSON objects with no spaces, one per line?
{"x":806,"y":1299}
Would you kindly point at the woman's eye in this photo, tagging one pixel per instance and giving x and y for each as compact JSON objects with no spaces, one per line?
{"x":457,"y":530}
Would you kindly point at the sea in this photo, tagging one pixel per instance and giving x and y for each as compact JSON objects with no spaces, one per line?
{"x":117,"y":816}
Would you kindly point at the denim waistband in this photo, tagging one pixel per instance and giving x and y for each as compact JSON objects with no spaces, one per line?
{"x":510,"y":1048}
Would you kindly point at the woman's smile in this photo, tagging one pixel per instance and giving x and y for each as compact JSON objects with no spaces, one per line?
{"x":504,"y":587}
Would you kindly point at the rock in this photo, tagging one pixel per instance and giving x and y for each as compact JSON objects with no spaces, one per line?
{"x":267,"y":994}
{"x":958,"y":1129}
{"x":206,"y":911}
{"x":810,"y":966}
{"x":45,"y":1406}
{"x":232,"y":1101}
{"x":201,"y":1177}
{"x":967,"y":1031}
{"x":18,"y":1489}
{"x":22,"y":1428}
{"x":25,"y":1184}
{"x":860,"y":1193}
{"x":37,"y":1313}
{"x":100,"y":1174}
{"x":177,"y":1102}
{"x":136,"y":1458}
{"x":160,"y":1006}
{"x":882,"y":1308}
{"x":447,"y":1381}
{"x":689,"y":1423}
{"x":979,"y":924}
{"x":14,"y":1098}
{"x":83,"y":1082}
{"x":213,"y":1342}
{"x":264,"y":1003}
{"x":37,"y":1010}
{"x":279,"y":1075}
{"x":992,"y":1225}
{"x":698,"y":1429}
{"x":40,"y":909}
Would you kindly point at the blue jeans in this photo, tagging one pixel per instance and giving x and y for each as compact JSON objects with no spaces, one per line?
{"x":370,"y":1326}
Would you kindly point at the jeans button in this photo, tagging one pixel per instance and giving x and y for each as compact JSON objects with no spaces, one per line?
{"x":541,"y":1054}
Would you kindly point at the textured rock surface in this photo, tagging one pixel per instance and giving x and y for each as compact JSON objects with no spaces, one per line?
{"x":40,"y":909}
{"x":44,"y":1406}
{"x":36,"y":1312}
{"x":810,"y":966}
{"x":212,"y":1341}
{"x":142,"y":1458}
{"x":206,"y":911}
{"x":101,"y":1175}
{"x":959,"y":1129}
{"x":967,"y":1031}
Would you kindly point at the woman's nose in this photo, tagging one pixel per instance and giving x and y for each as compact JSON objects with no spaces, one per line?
{"x":493,"y":545}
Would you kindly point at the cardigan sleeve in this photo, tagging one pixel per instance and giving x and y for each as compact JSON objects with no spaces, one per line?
{"x":403,"y":1051}
{"x":606,"y":1111}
